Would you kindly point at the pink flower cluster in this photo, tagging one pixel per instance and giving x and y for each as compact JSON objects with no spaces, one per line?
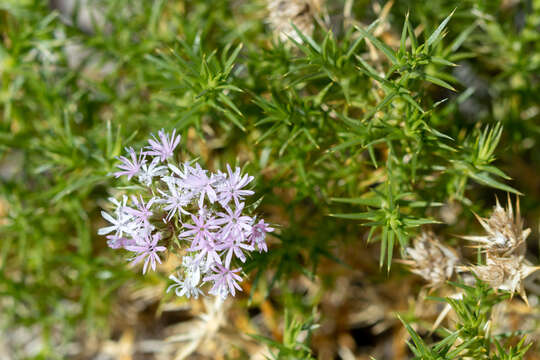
{"x":207,"y":210}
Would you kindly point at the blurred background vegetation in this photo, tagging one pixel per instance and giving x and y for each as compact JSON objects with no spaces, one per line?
{"x":413,"y":125}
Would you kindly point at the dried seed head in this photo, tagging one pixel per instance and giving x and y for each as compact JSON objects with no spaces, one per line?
{"x":505,"y":234}
{"x":505,"y":273}
{"x":431,"y":260}
{"x":283,"y":13}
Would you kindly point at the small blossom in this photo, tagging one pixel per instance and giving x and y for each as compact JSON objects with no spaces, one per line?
{"x":147,"y":249}
{"x":193,"y":270}
{"x":234,"y":246}
{"x":184,"y":288}
{"x":142,"y":213}
{"x":117,"y":242}
{"x":164,"y":149}
{"x":231,"y":187}
{"x":148,"y":172}
{"x":123,"y":223}
{"x":175,"y":200}
{"x":199,"y":182}
{"x":235,"y":223}
{"x":120,"y":205}
{"x":176,"y":171}
{"x":258,"y":235}
{"x":130,"y":167}
{"x":201,"y":230}
{"x":206,"y":250}
{"x":225,"y":281}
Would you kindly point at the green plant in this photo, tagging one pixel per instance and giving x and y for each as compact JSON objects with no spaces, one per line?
{"x":472,"y":335}
{"x":399,"y":116}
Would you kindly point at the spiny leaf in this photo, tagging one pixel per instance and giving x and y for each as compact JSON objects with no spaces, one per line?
{"x":436,"y":35}
{"x":379,"y":45}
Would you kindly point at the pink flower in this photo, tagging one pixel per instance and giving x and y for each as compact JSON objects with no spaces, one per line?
{"x":117,"y":242}
{"x":149,"y":171}
{"x":235,"y":223}
{"x":204,"y":208}
{"x":175,"y":200}
{"x":206,"y":250}
{"x":142,"y":213}
{"x":234,"y":246}
{"x":258,"y":234}
{"x":231,"y":188}
{"x":225,"y":281}
{"x":201,"y":231}
{"x":165,"y":148}
{"x":147,"y":249}
{"x":198,"y":182}
{"x":130,"y":167}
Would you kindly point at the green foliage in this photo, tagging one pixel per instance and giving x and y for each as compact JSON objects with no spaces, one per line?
{"x":410,"y":142}
{"x":201,"y":82}
{"x":346,"y":122}
{"x":471,"y":337}
{"x":296,"y":339}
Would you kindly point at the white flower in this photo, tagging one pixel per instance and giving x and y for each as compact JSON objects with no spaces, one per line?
{"x":231,"y":187}
{"x":181,"y":174}
{"x":148,"y":172}
{"x":120,"y":206}
{"x":200,"y":183}
{"x":123,"y":222}
{"x":184,"y":288}
{"x":216,"y":233}
{"x":176,"y":199}
{"x":192,"y":270}
{"x":164,"y":147}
